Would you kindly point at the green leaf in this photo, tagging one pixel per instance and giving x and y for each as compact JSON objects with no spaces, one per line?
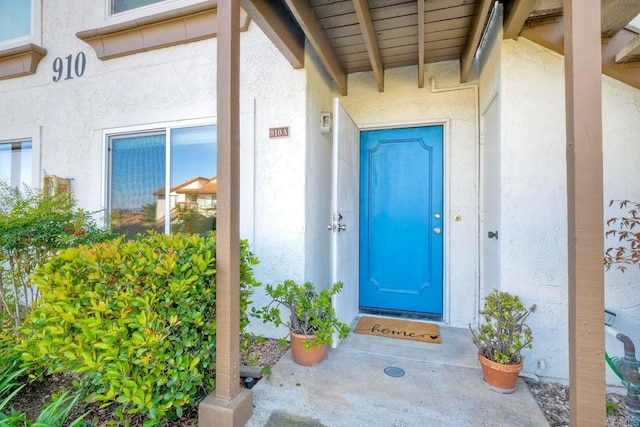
{"x":194,"y":363}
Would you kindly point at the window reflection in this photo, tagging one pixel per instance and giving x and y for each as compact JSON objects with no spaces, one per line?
{"x":137,"y":176}
{"x":139,"y":200}
{"x":118,"y":6}
{"x":15,"y":19}
{"x":16,"y":163}
{"x":194,"y":185}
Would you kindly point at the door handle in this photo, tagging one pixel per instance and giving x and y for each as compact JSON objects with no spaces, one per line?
{"x":339,"y":227}
{"x":335,"y":224}
{"x":437,"y":230}
{"x":493,"y":234}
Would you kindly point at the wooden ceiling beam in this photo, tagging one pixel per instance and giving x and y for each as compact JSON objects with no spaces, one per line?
{"x":302,"y":11}
{"x":551,"y":36}
{"x":519,"y":13}
{"x":616,"y":14}
{"x":421,"y":30}
{"x":629,"y":52}
{"x":480,"y":17}
{"x":278,"y":28}
{"x":369,"y":35}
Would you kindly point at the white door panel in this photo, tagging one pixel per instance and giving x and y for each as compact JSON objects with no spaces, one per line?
{"x":491,"y":198}
{"x":345,"y":213}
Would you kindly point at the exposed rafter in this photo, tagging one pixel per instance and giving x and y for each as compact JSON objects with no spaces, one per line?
{"x":308,"y":21}
{"x":616,"y":14}
{"x":366,"y":26}
{"x":551,"y":36}
{"x":421,"y":29}
{"x":278,"y":28}
{"x":519,"y":13}
{"x":630,"y":52}
{"x":480,"y":17}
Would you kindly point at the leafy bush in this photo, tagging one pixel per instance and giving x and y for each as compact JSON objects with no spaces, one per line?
{"x":34,"y":226}
{"x":136,"y":317}
{"x":626,"y":229}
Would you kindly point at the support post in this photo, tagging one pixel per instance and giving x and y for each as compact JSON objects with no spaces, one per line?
{"x":583,"y":90}
{"x":228,"y":406}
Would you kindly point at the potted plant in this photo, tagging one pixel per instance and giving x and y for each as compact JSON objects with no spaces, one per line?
{"x":500,"y":339}
{"x":311,"y":318}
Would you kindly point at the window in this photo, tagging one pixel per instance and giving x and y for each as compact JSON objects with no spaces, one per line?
{"x":144,"y":165}
{"x":16,"y":163}
{"x":15,"y":19}
{"x":118,"y":6}
{"x":20,"y":37}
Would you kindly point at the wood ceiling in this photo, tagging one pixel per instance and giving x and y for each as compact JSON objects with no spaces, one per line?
{"x":352,"y":36}
{"x":395,"y":25}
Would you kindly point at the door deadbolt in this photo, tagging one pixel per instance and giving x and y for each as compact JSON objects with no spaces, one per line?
{"x":437,"y":216}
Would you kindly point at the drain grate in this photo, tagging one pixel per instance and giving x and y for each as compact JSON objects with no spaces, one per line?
{"x":393,"y":371}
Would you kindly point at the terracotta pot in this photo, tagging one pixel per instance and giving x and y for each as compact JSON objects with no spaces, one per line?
{"x":307,"y":357}
{"x":499,"y":377}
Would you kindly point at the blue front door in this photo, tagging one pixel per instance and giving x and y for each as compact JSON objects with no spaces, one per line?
{"x":401,"y":220}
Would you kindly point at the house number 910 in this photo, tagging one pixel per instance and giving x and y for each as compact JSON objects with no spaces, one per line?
{"x":73,"y":67}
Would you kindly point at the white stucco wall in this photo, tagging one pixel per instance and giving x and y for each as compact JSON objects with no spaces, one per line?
{"x":402,"y":104}
{"x":621,"y":129}
{"x":279,"y":165}
{"x":533,"y":196}
{"x":320,"y":92}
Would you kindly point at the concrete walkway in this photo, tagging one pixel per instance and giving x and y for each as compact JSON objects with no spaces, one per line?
{"x":442,"y":386}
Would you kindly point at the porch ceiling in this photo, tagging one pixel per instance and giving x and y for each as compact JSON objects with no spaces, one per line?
{"x":372,"y":35}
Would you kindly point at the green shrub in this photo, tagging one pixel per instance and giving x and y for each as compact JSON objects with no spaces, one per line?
{"x":34,"y":226}
{"x":136,"y":317}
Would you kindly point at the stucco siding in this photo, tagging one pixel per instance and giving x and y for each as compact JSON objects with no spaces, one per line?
{"x":534,"y":201}
{"x":319,"y":94}
{"x":279,"y":172}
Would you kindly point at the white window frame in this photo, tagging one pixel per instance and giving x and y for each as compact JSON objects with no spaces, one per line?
{"x":140,"y":12}
{"x":35,"y":37}
{"x":32,"y":134}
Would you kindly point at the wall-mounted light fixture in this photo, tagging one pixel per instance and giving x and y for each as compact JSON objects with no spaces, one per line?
{"x":325,"y":122}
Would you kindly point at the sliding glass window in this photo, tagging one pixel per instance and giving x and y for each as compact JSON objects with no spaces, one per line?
{"x":143,"y":166}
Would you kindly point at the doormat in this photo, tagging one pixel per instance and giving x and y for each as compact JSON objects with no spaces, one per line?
{"x":398,"y":328}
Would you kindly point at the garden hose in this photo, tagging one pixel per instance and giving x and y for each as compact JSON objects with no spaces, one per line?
{"x":613,"y":368}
